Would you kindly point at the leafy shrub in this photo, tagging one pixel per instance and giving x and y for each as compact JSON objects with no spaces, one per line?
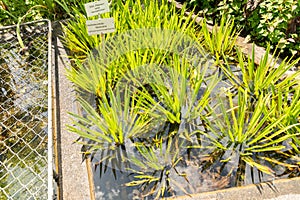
{"x":12,"y":11}
{"x":265,"y":21}
{"x":272,"y":22}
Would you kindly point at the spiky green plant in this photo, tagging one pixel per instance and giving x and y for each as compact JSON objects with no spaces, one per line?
{"x":287,"y":103}
{"x":220,"y":42}
{"x":177,"y":90}
{"x":155,"y":168}
{"x":162,"y":89}
{"x":262,"y":78}
{"x":257,"y":123}
{"x":111,"y":128}
{"x":248,"y":137}
{"x":127,"y":15}
{"x":169,"y":96}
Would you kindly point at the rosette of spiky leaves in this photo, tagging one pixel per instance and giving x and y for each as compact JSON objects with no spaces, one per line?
{"x":154,"y":168}
{"x":264,"y":78}
{"x":181,"y":93}
{"x":122,"y":54}
{"x":111,"y":127}
{"x":271,"y":78}
{"x":287,"y":102}
{"x":221,"y":40}
{"x":91,"y":78}
{"x":241,"y":137}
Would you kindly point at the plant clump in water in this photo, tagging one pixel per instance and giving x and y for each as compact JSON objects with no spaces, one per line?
{"x":176,"y":120}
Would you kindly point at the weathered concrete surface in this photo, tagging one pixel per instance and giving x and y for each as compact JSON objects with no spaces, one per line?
{"x":72,"y":172}
{"x":287,"y":197}
{"x":285,"y":189}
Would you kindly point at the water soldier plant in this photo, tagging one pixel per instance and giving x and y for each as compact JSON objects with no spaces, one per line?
{"x":127,"y":15}
{"x":168,"y":121}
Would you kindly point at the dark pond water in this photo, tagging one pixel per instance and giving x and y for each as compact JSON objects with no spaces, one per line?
{"x":210,"y":160}
{"x":200,"y":175}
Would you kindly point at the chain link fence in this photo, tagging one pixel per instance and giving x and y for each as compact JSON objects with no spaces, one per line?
{"x":24,"y":111}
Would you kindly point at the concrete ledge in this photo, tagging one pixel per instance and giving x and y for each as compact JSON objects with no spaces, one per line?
{"x":71,"y":172}
{"x":284,"y":189}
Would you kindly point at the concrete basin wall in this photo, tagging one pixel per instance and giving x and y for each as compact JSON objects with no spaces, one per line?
{"x":71,"y":172}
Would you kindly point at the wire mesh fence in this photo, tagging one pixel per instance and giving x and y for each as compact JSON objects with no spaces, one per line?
{"x":24,"y":111}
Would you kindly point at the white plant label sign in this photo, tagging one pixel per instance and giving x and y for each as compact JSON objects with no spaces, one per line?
{"x":96,"y":8}
{"x":100,"y":26}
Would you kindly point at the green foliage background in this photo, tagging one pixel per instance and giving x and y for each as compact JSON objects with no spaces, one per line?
{"x":263,"y":21}
{"x":13,"y":11}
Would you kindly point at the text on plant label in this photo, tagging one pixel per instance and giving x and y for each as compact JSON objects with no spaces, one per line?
{"x":100,"y":26}
{"x":96,"y":8}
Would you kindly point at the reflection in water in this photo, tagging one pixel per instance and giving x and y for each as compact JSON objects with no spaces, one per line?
{"x":190,"y":164}
{"x":23,"y":116}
